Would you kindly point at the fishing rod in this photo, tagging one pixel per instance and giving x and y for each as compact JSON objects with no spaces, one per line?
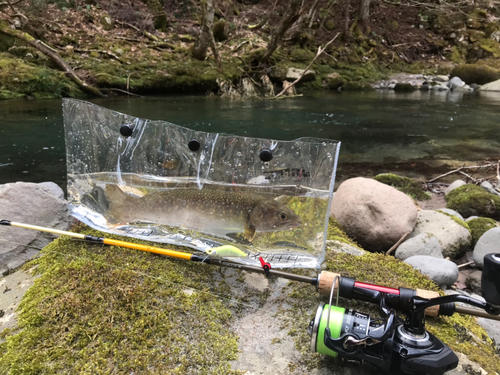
{"x":348,"y":287}
{"x":390,"y":343}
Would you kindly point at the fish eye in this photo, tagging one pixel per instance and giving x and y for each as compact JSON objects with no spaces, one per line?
{"x":282,"y":216}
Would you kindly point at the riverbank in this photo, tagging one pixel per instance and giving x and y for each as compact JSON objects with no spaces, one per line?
{"x":119,"y":51}
{"x":163,"y":313}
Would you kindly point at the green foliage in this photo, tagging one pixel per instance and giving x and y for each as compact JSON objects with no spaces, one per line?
{"x":404,"y":184}
{"x":472,"y":200}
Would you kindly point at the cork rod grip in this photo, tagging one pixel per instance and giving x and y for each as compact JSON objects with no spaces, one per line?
{"x":433,"y":310}
{"x":326,"y":281}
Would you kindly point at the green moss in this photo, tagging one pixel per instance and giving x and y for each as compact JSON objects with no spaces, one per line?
{"x":301,"y":55}
{"x":479,"y":226}
{"x":473,"y":200}
{"x":404,"y":184}
{"x":491,"y":46}
{"x":97,"y":309}
{"x":220,"y":31}
{"x":19,"y":78}
{"x":335,"y":232}
{"x":475,"y":73}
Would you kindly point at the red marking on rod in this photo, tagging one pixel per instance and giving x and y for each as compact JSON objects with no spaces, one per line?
{"x":378,"y":288}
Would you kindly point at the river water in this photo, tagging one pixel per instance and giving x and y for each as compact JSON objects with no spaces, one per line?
{"x":412,"y":133}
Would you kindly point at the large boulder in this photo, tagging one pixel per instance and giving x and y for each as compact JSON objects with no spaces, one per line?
{"x":488,"y":243}
{"x":452,"y":233}
{"x":35,"y":204}
{"x":441,"y":271}
{"x":374,"y":214}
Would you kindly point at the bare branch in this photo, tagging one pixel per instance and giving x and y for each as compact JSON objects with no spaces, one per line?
{"x":320,"y":51}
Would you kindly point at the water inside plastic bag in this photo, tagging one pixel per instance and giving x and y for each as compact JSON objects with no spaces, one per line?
{"x":161,"y":182}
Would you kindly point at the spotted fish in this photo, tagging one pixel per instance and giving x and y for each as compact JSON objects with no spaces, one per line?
{"x":208,"y":210}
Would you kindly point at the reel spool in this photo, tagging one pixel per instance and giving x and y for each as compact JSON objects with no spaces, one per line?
{"x":340,"y":322}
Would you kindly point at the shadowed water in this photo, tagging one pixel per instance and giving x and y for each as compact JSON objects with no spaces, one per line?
{"x":379,"y":130}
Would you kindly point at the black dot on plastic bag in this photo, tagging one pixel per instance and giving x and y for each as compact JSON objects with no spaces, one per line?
{"x":265,"y":155}
{"x":126,"y":130}
{"x":194,"y":145}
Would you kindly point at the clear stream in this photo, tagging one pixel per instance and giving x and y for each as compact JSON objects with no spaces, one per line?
{"x":380,"y":131}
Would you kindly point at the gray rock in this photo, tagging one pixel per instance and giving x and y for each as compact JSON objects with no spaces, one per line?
{"x":423,"y":244}
{"x":52,"y":188}
{"x":440,"y":87}
{"x":488,"y":243}
{"x":341,"y":247}
{"x":454,"y":185}
{"x":34,"y":204}
{"x":489,"y":188}
{"x":474,"y":86}
{"x":449,"y":211}
{"x":491,"y":86}
{"x":374,"y":214}
{"x":454,"y":238}
{"x":471,"y":218}
{"x":441,"y":271}
{"x":441,"y":78}
{"x":293,"y":73}
{"x":455,"y":83}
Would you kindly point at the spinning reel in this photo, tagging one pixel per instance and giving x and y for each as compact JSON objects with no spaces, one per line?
{"x":390,"y":343}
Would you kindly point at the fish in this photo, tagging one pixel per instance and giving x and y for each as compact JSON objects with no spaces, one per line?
{"x":212,"y":211}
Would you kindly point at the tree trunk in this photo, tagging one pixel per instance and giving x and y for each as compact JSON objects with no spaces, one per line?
{"x":199,"y":50}
{"x":42,"y":47}
{"x":364,"y":14}
{"x":346,"y":19}
{"x":291,"y":15}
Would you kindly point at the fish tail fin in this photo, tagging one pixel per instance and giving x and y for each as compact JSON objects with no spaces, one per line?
{"x":119,"y":203}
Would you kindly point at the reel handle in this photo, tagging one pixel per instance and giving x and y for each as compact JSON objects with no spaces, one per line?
{"x":490,"y":282}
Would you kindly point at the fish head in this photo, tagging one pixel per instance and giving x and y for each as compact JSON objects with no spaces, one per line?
{"x":270,"y":216}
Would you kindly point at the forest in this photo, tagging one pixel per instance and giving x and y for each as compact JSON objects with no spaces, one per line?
{"x":78,"y":48}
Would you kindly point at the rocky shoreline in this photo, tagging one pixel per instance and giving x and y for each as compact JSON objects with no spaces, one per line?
{"x":376,"y":216}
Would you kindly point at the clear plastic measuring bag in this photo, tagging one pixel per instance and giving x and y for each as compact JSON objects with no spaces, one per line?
{"x":161,"y":182}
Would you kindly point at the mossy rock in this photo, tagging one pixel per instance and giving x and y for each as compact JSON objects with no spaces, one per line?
{"x":357,"y":86}
{"x":472,"y":200}
{"x":404,"y":87}
{"x":220,"y":31}
{"x":301,"y":55}
{"x":475,"y":73}
{"x":96,"y":309}
{"x":330,"y":24}
{"x":334,"y":80}
{"x":107,"y":22}
{"x":479,"y":226}
{"x":404,"y":184}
